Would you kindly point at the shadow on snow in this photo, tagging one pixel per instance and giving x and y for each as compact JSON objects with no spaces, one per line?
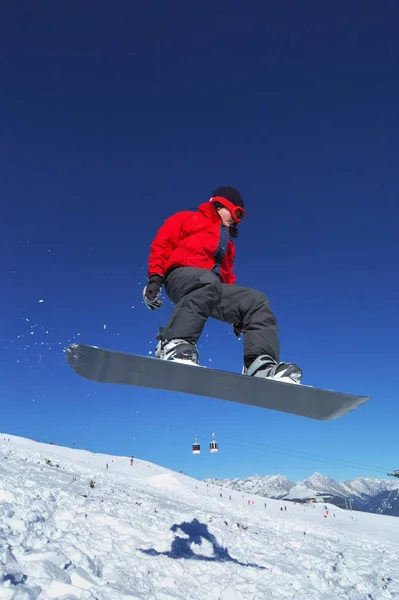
{"x":196,"y":531}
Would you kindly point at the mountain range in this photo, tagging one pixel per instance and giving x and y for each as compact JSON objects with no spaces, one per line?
{"x":380,"y":496}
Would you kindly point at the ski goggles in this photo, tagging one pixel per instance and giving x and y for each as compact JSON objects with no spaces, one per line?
{"x":237,"y":212}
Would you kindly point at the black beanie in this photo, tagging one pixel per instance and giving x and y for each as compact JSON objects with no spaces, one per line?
{"x":230,"y":194}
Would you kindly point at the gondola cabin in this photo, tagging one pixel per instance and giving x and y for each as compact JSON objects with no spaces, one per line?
{"x":196,"y":445}
{"x":196,"y":448}
{"x":213,"y":447}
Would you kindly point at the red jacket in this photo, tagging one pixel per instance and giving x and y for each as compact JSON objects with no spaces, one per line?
{"x":192,"y":239}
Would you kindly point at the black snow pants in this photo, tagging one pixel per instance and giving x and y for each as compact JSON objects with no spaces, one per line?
{"x":199,"y":294}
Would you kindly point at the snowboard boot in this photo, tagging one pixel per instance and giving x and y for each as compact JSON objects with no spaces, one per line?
{"x":265,"y":366}
{"x":177,"y":351}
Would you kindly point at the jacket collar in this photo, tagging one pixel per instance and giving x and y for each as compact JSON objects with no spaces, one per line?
{"x":208,"y":210}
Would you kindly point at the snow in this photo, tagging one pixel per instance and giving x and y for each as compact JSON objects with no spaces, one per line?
{"x":71,"y":528}
{"x":301,"y":492}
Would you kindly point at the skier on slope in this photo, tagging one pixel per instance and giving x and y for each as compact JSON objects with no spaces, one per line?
{"x":192,"y":255}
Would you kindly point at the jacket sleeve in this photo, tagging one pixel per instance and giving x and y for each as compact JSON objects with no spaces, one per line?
{"x":166,"y":240}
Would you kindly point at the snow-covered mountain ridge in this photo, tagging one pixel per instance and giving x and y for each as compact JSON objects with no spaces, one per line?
{"x":366,"y":493}
{"x":75,"y":525}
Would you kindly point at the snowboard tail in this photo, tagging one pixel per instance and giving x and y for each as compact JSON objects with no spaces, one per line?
{"x":110,"y":366}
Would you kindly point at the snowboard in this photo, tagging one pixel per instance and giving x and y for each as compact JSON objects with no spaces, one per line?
{"x":110,"y":366}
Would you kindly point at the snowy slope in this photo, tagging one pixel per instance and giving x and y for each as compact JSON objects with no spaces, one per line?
{"x":146,"y":532}
{"x":300,"y":492}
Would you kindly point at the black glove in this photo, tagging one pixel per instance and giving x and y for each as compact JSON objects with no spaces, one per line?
{"x":238,"y":329}
{"x":152,"y":291}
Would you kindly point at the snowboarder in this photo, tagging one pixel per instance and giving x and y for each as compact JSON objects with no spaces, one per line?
{"x":192,"y":256}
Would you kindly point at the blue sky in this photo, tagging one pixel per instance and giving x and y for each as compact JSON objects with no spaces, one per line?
{"x":115,"y":117}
